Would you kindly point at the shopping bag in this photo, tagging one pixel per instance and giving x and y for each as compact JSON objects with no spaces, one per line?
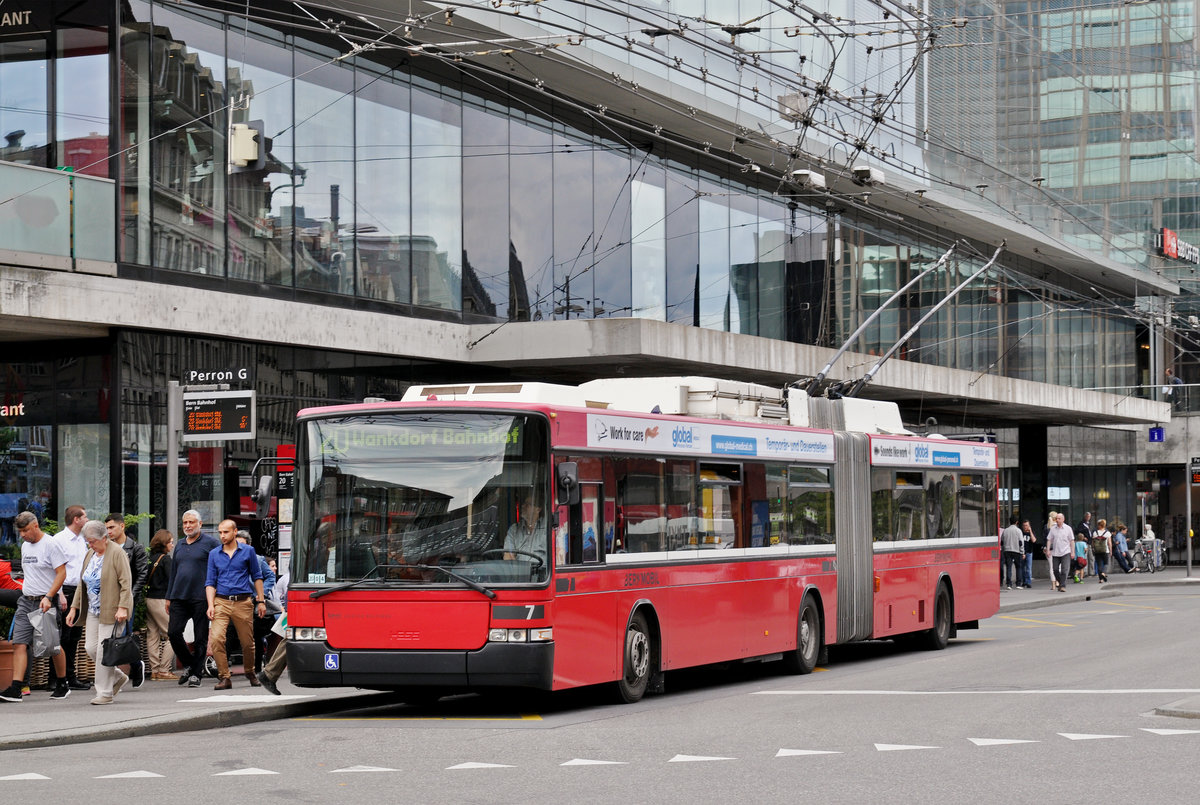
{"x":46,"y":641}
{"x":121,"y":649}
{"x":280,"y":625}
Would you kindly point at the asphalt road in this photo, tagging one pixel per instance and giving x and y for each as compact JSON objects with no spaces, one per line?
{"x":1049,"y":705}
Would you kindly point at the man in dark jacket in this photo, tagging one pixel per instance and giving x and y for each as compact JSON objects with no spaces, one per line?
{"x":187,"y":599}
{"x":139,"y":565}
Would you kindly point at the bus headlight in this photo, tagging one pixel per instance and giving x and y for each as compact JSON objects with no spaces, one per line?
{"x":306,"y":633}
{"x":540,"y":635}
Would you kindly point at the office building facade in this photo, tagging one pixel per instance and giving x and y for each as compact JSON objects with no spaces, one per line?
{"x":324,"y":207}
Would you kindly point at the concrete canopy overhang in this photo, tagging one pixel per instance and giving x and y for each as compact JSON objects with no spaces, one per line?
{"x":35,"y":303}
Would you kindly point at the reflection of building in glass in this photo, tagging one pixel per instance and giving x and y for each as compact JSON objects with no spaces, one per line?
{"x":648,"y":190}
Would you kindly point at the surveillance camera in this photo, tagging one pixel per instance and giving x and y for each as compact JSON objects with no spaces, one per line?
{"x":867,"y":174}
{"x":806,"y":178}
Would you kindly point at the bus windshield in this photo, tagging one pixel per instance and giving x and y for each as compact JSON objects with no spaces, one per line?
{"x":399,"y":496}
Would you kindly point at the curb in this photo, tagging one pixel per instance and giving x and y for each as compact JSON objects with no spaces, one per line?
{"x":1043,"y":603}
{"x":161,"y":725}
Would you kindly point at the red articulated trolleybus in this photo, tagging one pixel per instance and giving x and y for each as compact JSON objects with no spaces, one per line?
{"x":551,"y":537}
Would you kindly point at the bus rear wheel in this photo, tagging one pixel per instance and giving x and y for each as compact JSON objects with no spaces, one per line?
{"x":808,"y":640}
{"x":938,"y":637}
{"x":635,"y":676}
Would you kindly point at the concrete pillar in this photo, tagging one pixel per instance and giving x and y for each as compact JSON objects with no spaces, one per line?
{"x":1032,"y":456}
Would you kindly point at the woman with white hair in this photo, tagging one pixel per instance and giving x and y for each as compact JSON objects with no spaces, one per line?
{"x":105,"y":596}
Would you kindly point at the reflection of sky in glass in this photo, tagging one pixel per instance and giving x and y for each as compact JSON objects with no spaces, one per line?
{"x":23,"y":102}
{"x":82,"y":85}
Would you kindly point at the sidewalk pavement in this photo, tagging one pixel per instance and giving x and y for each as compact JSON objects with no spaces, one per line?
{"x":165,"y":707}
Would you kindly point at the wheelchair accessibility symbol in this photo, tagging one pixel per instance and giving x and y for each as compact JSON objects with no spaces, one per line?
{"x":331,"y":662}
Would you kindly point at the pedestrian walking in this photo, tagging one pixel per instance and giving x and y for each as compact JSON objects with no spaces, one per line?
{"x":1029,"y":545}
{"x":233,"y":579}
{"x":1081,"y":560}
{"x":104,"y":602}
{"x":45,"y":569}
{"x":1059,"y":538}
{"x":158,"y":643}
{"x":186,"y":599}
{"x":74,"y":548}
{"x":1010,"y":546}
{"x":1101,"y":549}
{"x":139,"y":567}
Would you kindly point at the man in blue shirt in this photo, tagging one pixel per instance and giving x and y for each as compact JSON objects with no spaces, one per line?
{"x":186,"y":600}
{"x":233,"y":570}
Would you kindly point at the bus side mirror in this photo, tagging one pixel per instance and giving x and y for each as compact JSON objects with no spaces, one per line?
{"x":567,"y":477}
{"x":262,"y":496}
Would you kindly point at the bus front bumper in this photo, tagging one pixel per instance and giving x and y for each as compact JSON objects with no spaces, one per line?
{"x":526,"y":665}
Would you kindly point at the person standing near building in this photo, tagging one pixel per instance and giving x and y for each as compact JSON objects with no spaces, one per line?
{"x":186,"y":598}
{"x":139,"y":567}
{"x":1010,"y":544}
{"x":74,"y":547}
{"x":158,"y":644}
{"x":1059,"y":542}
{"x":1120,"y":547}
{"x":1173,"y":390}
{"x":1101,"y":549}
{"x":234,"y":588}
{"x":45,"y":569}
{"x":1029,"y":544}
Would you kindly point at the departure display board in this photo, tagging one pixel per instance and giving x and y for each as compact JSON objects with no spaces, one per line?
{"x":218,"y":415}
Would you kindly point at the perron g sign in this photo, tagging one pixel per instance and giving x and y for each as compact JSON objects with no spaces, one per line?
{"x":218,"y":415}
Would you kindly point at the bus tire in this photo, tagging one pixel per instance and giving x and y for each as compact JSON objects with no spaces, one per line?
{"x":808,"y":640}
{"x":936,"y":638}
{"x":635,"y":675}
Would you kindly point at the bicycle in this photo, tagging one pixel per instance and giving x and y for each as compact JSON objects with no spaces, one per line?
{"x":1143,"y":558}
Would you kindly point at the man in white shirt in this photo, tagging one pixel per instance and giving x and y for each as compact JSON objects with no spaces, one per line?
{"x":45,"y":569}
{"x":70,"y":539}
{"x":1060,"y":541}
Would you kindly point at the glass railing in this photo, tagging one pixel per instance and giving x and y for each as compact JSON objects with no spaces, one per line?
{"x":54,"y":213}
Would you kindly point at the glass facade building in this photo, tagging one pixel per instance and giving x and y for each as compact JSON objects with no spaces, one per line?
{"x":458,"y":184}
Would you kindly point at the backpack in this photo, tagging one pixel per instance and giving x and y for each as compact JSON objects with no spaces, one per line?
{"x":1100,"y":543}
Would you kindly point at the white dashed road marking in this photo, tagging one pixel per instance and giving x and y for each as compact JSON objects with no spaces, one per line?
{"x":901,"y":747}
{"x":128,"y":775}
{"x":1083,"y":736}
{"x":798,"y":752}
{"x":479,"y":766}
{"x":583,"y":762}
{"x":352,"y":769}
{"x":250,"y":772}
{"x":999,"y":741}
{"x":696,"y":759}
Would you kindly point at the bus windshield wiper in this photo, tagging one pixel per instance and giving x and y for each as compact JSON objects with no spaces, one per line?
{"x":346,"y":585}
{"x":474,"y":585}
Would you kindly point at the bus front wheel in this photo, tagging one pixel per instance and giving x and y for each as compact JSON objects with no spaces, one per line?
{"x":636,"y":674}
{"x":808,"y":640}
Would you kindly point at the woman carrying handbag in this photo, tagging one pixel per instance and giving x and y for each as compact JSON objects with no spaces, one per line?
{"x":105,"y":594}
